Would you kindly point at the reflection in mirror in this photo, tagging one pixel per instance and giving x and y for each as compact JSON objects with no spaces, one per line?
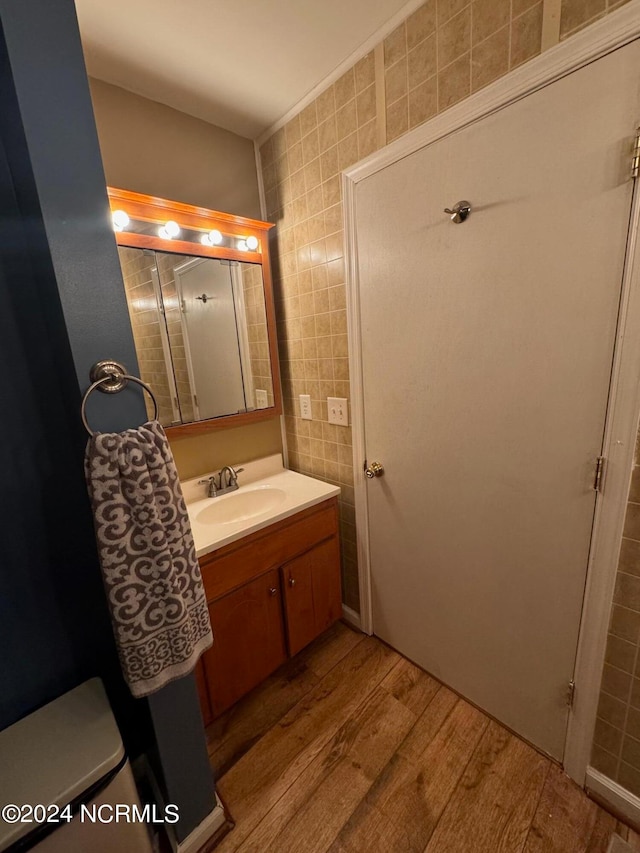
{"x":200,"y":330}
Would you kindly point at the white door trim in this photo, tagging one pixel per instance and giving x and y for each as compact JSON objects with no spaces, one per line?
{"x":601,"y":38}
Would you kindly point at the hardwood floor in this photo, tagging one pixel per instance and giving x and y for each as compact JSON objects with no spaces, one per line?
{"x":350,"y":748}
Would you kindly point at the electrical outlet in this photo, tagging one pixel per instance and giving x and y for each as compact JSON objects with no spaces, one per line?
{"x":305,"y":407}
{"x":262,"y":401}
{"x":338,"y":411}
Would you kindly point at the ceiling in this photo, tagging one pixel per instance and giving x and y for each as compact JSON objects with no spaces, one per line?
{"x":240,"y":64}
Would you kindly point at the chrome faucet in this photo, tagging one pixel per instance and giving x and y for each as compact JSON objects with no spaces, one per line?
{"x":229,"y":478}
{"x":226,"y":480}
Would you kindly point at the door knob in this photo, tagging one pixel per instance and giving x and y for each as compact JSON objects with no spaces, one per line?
{"x":376,"y":469}
{"x":273,"y":590}
{"x":292,"y":581}
{"x":459,"y":212}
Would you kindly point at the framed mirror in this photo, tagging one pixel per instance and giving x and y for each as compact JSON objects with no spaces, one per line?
{"x":200,"y":299}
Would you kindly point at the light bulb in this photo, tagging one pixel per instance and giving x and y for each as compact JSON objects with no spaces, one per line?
{"x":242,"y":245}
{"x":169,"y":230}
{"x":212,"y":238}
{"x":252,"y":243}
{"x":120,"y":220}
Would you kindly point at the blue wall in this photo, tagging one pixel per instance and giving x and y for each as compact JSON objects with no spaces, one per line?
{"x":62,"y":307}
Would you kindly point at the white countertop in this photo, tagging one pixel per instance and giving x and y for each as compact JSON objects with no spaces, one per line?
{"x":291,"y":493}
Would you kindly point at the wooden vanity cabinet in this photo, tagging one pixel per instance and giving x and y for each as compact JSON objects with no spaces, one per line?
{"x":269,"y":595}
{"x":312,"y":594}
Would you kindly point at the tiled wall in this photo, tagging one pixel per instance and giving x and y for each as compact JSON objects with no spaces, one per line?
{"x":257,"y":331}
{"x":442,"y":53}
{"x":145,"y":324}
{"x":616,"y":749}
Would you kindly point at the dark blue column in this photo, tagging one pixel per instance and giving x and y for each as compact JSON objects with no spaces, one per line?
{"x":62,"y":308}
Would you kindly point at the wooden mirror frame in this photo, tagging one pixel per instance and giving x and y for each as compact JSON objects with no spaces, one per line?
{"x":158,"y":211}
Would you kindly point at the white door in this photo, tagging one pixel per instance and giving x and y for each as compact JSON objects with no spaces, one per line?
{"x":211,"y":336}
{"x":487,"y":350}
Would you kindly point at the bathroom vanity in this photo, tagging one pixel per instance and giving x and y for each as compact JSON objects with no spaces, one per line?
{"x":270,"y":560}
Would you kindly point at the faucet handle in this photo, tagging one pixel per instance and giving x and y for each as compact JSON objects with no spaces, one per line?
{"x":212,"y":487}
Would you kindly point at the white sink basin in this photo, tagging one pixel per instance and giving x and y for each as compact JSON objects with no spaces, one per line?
{"x":241,"y":505}
{"x":268,"y":493}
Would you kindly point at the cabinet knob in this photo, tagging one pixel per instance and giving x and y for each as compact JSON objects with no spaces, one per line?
{"x":273,"y":590}
{"x":292,"y":581}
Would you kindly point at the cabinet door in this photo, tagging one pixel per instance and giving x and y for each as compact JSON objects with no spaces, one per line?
{"x":312,"y":593}
{"x":248,"y":640}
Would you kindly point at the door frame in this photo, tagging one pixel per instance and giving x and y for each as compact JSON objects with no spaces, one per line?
{"x":612,"y":32}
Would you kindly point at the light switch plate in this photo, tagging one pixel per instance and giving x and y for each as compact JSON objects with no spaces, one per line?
{"x":305,"y":407}
{"x":262,"y":401}
{"x":338,"y":411}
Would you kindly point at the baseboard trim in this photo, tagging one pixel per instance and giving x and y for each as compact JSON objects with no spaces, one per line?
{"x":205,"y":830}
{"x":622,"y":802}
{"x":351,"y":617}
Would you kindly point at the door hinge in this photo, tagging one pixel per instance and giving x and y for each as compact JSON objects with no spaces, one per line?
{"x":195,"y":401}
{"x":571,"y":693}
{"x":598,"y":481}
{"x":635,"y":158}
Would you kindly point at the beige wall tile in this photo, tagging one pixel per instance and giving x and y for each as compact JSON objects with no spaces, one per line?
{"x":576,"y":13}
{"x":292,"y":131}
{"x":395,"y":81}
{"x":308,"y":119}
{"x":446,"y":9}
{"x":422,"y":62}
{"x":607,"y":737}
{"x":366,"y":105}
{"x":625,"y":624}
{"x":327,"y":133}
{"x":345,"y":88}
{"x":423,"y":102}
{"x":629,"y":561}
{"x":488,"y":16}
{"x":490,"y":59}
{"x":629,"y":778}
{"x":454,"y":38}
{"x":421,"y":24}
{"x":367,"y":139}
{"x":397,"y":119}
{"x":526,"y":35}
{"x":620,"y":653}
{"x":520,"y":6}
{"x":347,"y":151}
{"x":395,"y":45}
{"x":454,"y":82}
{"x":604,"y":761}
{"x":616,"y":683}
{"x":634,"y":491}
{"x":326,"y":103}
{"x":612,"y":710}
{"x":632,"y":726}
{"x":627,"y":591}
{"x":630,"y":751}
{"x":365,"y":72}
{"x":346,"y":119}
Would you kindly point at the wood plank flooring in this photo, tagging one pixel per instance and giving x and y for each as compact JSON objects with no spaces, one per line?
{"x":350,"y":748}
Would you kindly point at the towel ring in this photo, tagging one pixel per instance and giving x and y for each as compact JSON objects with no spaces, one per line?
{"x":110,"y":377}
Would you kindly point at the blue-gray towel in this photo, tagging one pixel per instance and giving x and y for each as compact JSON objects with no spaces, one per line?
{"x":149,"y":565}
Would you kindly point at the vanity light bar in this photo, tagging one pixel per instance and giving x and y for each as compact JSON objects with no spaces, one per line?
{"x":170,"y":230}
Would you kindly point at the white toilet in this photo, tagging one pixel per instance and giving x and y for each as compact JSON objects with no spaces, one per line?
{"x":67,"y":755}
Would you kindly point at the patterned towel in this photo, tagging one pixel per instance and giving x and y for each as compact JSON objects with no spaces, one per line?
{"x":148,"y":559}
